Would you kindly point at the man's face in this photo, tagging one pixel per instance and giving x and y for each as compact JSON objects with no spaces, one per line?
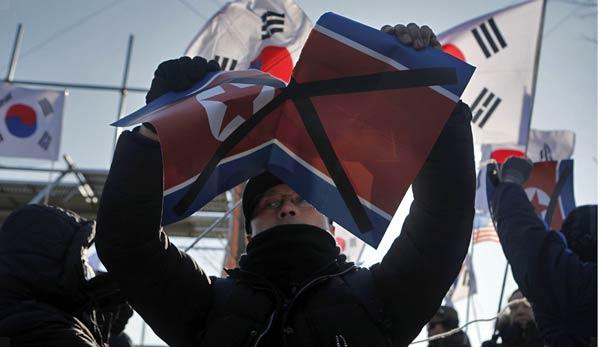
{"x":435,"y":328}
{"x":520,"y":313}
{"x":281,"y":205}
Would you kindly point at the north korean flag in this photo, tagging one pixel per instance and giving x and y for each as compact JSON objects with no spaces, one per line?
{"x":550,"y":190}
{"x":349,"y":133}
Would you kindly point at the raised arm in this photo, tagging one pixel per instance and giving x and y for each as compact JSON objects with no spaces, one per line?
{"x":164,"y":285}
{"x":561,"y":287}
{"x":423,"y":261}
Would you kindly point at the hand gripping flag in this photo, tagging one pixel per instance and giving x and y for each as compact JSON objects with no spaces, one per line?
{"x":504,"y":45}
{"x":267,"y":35}
{"x":550,"y":190}
{"x":31,"y":122}
{"x":349,"y":133}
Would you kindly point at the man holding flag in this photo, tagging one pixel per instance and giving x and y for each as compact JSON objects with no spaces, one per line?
{"x":292,"y":287}
{"x":559,"y":278}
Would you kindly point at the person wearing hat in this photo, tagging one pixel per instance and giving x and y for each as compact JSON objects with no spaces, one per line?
{"x":444,"y":320}
{"x":49,"y":294}
{"x":293,"y":287}
{"x":556,"y":271}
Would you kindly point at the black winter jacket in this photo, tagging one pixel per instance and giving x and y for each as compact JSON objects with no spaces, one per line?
{"x":394,"y":298}
{"x":43,"y":278}
{"x":562,"y":288}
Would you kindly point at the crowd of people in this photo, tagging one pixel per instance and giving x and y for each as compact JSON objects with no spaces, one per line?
{"x":292,"y":287}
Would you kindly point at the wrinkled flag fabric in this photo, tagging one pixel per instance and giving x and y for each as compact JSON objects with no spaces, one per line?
{"x":349,"y":133}
{"x":549,"y":189}
{"x":266,"y":35}
{"x":504,"y":47}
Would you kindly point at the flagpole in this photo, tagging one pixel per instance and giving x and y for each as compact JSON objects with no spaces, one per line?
{"x":477,"y":320}
{"x":10,"y":74}
{"x":469,"y":292}
{"x":502,"y":289}
{"x":533,"y":91}
{"x":47,"y":197}
{"x":123,"y":87}
{"x":536,"y":69}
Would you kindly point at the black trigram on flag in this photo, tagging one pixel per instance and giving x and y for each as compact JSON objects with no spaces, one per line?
{"x":46,"y":107}
{"x":489,"y":38}
{"x":546,"y":153}
{"x":272,"y":23}
{"x":484,"y":106}
{"x":226,"y":63}
{"x":45,"y":140}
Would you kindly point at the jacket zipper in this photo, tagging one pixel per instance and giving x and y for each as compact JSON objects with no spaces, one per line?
{"x":309,"y":284}
{"x":266,"y":329}
{"x":318,"y":279}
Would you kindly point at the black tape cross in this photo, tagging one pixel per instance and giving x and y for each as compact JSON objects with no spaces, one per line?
{"x":562,"y":180}
{"x":300,"y":93}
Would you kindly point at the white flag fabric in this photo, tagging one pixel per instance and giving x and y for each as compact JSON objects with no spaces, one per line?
{"x":349,"y":244}
{"x":264,"y":34}
{"x":31,"y":122}
{"x":550,"y":145}
{"x":503,"y":46}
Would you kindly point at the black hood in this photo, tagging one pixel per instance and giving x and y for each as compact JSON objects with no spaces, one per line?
{"x":42,"y":255}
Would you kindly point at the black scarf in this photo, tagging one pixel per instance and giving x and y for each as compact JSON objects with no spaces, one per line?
{"x":289,"y":256}
{"x":516,"y":336}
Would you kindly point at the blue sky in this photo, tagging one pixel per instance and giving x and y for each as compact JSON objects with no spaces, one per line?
{"x":75,"y":41}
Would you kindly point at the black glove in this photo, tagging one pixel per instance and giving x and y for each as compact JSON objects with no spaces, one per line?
{"x":515,"y":170}
{"x":413,"y":35}
{"x":179,"y":74}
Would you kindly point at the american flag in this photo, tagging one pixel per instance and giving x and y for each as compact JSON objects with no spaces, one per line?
{"x":485,"y":234}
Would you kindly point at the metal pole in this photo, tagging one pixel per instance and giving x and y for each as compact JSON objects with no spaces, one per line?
{"x":470,"y":271}
{"x":501,"y":294}
{"x":536,"y":68}
{"x":38,"y":198}
{"x":47,"y":197}
{"x":142,"y":344}
{"x":34,"y":169}
{"x":212,"y":226}
{"x":80,"y":86}
{"x":15,"y":53}
{"x":123,"y":87}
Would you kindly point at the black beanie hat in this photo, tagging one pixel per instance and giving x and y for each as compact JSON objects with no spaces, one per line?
{"x":581,"y":231}
{"x":447,"y":316}
{"x":255,"y":188}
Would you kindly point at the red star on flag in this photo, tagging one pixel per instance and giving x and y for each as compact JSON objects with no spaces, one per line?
{"x":238,"y":100}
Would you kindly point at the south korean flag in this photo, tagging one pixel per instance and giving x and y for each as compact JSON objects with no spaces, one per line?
{"x":504,"y":46}
{"x":31,"y":122}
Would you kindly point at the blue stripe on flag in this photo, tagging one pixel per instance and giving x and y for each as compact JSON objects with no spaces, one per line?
{"x":567,"y":196}
{"x":201,"y":85}
{"x":324,"y":196}
{"x":164,"y":100}
{"x":389,"y":46}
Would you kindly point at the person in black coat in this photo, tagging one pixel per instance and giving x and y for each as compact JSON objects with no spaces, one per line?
{"x":292,"y":287}
{"x":48,"y":295}
{"x":517,"y":327}
{"x":559,"y":278}
{"x":444,"y":320}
